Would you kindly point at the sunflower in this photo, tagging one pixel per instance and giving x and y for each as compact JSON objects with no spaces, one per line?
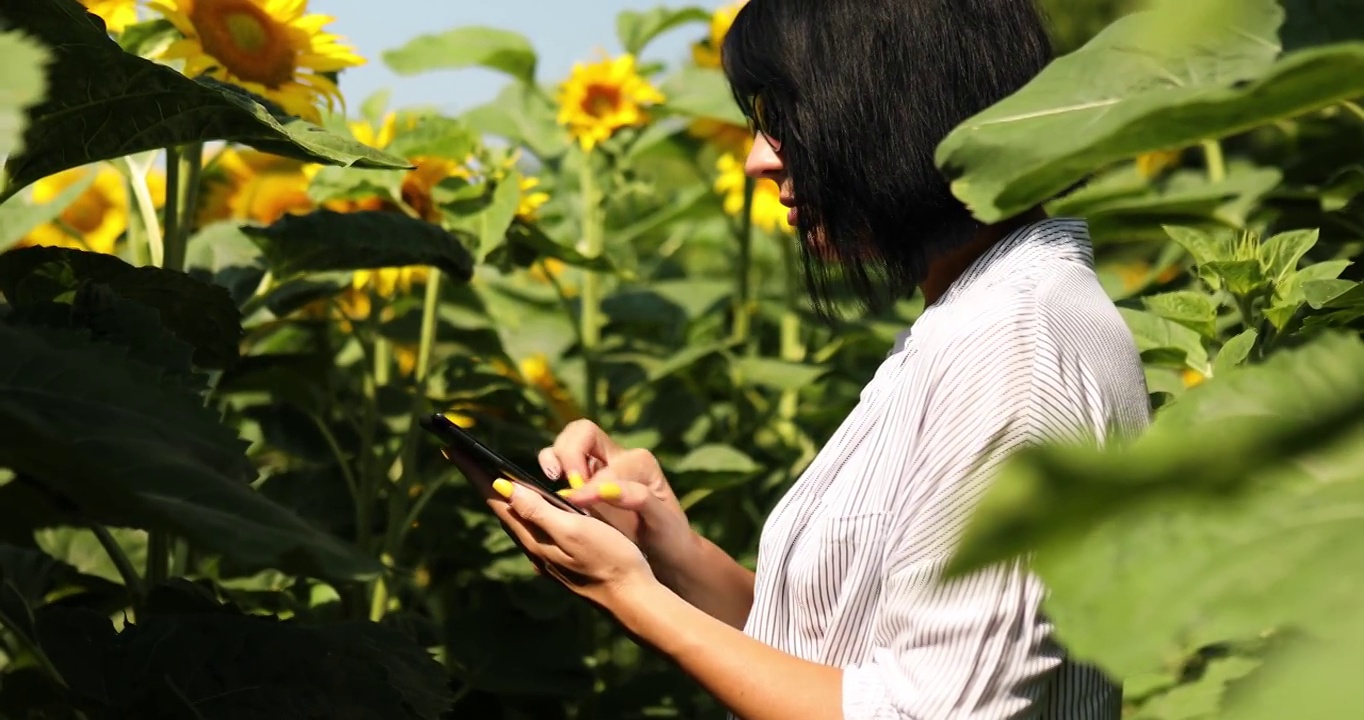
{"x":600,"y":98}
{"x":706,"y":53}
{"x":268,"y":47}
{"x":251,"y":185}
{"x":1152,"y":164}
{"x":117,"y":14}
{"x":99,"y":215}
{"x":768,"y":212}
{"x":528,"y":207}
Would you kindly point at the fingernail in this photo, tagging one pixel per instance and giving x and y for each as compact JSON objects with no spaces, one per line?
{"x":575,"y":480}
{"x":446,"y":452}
{"x":502,"y":487}
{"x":610,"y":491}
{"x":566,"y":492}
{"x":553,"y":473}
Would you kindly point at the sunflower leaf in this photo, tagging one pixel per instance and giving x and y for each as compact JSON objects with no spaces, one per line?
{"x":637,"y":29}
{"x":129,"y":449}
{"x":21,"y":76}
{"x":199,"y":314}
{"x":1165,"y":78}
{"x":474,"y":46}
{"x":325,"y":240}
{"x":106,"y":103}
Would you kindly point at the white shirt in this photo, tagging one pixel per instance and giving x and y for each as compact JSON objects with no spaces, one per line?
{"x":1024,"y":346}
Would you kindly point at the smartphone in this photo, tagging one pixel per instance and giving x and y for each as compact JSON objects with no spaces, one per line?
{"x":456,"y":438}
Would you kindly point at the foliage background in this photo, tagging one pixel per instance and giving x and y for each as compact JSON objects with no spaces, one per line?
{"x":221,"y":318}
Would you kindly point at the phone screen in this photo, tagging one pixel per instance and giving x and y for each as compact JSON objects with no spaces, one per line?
{"x":459,"y":440}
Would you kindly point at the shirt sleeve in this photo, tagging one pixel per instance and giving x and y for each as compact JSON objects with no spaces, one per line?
{"x":976,"y":647}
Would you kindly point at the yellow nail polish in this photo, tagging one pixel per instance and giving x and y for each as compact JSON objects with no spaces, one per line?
{"x":575,"y":480}
{"x":565,"y":492}
{"x":502,"y":487}
{"x":610,"y":491}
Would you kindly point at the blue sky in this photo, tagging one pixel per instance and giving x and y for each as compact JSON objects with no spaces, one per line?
{"x":562,"y":31}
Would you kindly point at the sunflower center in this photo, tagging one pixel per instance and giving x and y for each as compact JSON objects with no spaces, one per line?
{"x":601,"y":100}
{"x":87,"y":213}
{"x":246,"y":40}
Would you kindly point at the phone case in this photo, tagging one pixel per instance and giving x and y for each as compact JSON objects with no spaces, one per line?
{"x":460,"y":440}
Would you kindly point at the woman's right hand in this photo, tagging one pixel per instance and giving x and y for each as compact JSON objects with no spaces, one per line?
{"x":627,"y":489}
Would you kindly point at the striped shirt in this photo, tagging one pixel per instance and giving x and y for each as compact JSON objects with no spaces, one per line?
{"x":1025,"y":346}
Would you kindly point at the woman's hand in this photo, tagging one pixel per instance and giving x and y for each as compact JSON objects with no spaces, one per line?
{"x":626,"y":488}
{"x":584,"y":553}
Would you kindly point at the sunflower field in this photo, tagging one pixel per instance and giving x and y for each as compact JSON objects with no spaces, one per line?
{"x":228,"y":290}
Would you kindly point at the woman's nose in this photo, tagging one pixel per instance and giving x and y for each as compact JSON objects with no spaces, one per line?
{"x":763,"y":160}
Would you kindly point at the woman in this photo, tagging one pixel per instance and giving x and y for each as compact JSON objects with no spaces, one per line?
{"x":846,"y":616}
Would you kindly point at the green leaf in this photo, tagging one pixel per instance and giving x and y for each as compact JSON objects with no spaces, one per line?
{"x":1165,"y":78}
{"x":1234,"y":352}
{"x":1233,"y":514}
{"x":1239,"y":277}
{"x":636,"y":29}
{"x":435,"y":136}
{"x":531,"y":237}
{"x":132,"y":450}
{"x":21,"y":75}
{"x":18,"y":218}
{"x":189,"y":650}
{"x":199,"y":314}
{"x":1204,"y":247}
{"x":1324,"y":293}
{"x":495,"y":220}
{"x":343,"y":183}
{"x":701,"y":93}
{"x":80,"y":549}
{"x":1157,"y":333}
{"x":1194,"y":310}
{"x":105,"y":103}
{"x":779,"y":374}
{"x":524,"y":115}
{"x":1281,"y":253}
{"x":715,"y":466}
{"x":472,"y":46}
{"x":326,"y":240}
{"x":149,"y":37}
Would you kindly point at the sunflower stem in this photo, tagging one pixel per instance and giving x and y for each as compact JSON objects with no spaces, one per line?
{"x":1216,"y":163}
{"x":183,"y":167}
{"x":122,"y":564}
{"x":146,"y":211}
{"x":171,"y":229}
{"x":593,"y":243}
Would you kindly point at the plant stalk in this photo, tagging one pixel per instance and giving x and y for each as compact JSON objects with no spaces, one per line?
{"x":131,"y":579}
{"x":146,"y":210}
{"x":1216,"y":162}
{"x":593,"y":244}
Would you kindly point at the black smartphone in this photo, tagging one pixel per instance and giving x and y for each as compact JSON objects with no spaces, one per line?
{"x":459,"y":440}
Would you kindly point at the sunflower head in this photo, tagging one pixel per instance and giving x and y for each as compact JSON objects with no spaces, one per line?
{"x":251,"y":185}
{"x":268,"y":47}
{"x":602,"y":97}
{"x":116,"y":14}
{"x":97,"y":218}
{"x":728,"y":137}
{"x":706,"y":53}
{"x":768,"y":212}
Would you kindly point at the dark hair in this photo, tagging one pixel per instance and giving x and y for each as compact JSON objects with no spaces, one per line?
{"x":859,"y":93}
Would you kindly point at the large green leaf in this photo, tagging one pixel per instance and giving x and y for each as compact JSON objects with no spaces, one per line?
{"x":21,"y":86}
{"x":129,"y":449}
{"x":105,"y":103}
{"x":1237,"y":512}
{"x":326,"y":240}
{"x":523,"y":114}
{"x":186,"y":651}
{"x":473,"y":46}
{"x":636,"y":29}
{"x":199,"y":314}
{"x":701,"y":93}
{"x":1164,"y":78}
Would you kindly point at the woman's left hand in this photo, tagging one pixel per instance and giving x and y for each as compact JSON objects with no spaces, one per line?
{"x":592,"y":558}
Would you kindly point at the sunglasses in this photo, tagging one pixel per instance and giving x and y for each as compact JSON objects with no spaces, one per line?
{"x":766,"y":120}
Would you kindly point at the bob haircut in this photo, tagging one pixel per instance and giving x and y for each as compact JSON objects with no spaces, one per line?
{"x":857,"y":95}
